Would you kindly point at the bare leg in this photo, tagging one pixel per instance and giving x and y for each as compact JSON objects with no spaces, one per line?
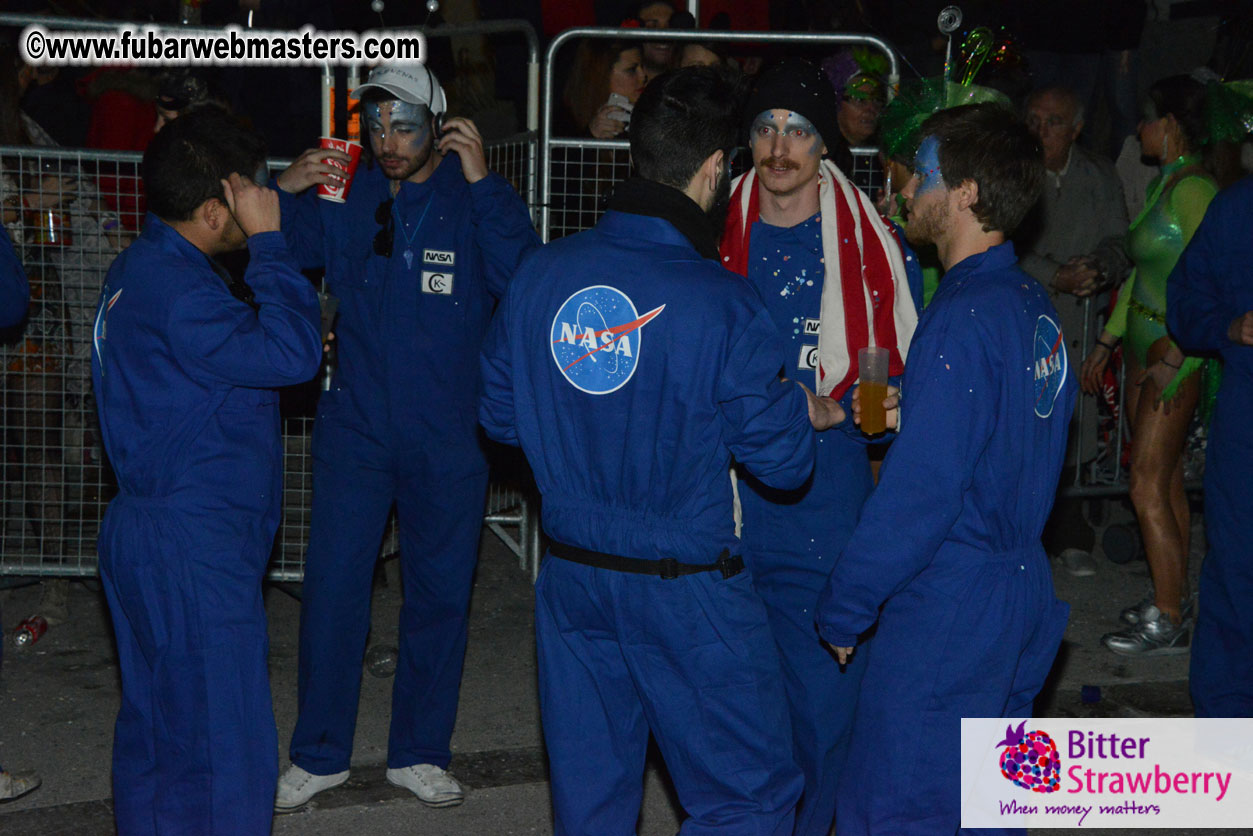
{"x":1157,"y":485}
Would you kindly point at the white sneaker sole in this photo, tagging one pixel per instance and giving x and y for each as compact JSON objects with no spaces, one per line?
{"x":447,"y":802}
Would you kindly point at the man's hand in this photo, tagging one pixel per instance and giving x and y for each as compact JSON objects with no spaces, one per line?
{"x":255,"y":207}
{"x":1079,"y":276}
{"x":824,"y":413}
{"x":842,"y":654}
{"x":461,"y":136}
{"x":1161,"y":374}
{"x":311,"y":168}
{"x":892,"y":403}
{"x":1092,"y":375}
{"x":1241,"y":330}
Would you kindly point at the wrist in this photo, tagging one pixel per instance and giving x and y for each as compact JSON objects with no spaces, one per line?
{"x":1107,"y":345}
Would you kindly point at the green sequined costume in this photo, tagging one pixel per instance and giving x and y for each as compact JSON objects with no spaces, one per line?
{"x":1177,"y":202}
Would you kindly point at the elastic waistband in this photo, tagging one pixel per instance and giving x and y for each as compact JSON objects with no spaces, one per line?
{"x":667,"y":568}
{"x":136,"y":501}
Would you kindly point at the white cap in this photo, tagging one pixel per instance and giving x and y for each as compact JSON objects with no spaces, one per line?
{"x":412,"y":83}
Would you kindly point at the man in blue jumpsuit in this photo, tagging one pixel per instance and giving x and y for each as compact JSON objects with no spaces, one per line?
{"x":1210,"y":309}
{"x":185,"y":362}
{"x":417,"y":256}
{"x":630,"y":367}
{"x":791,"y":538}
{"x":14,"y":297}
{"x":948,"y":544}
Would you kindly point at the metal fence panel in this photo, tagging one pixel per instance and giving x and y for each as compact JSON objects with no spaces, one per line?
{"x":69,"y":213}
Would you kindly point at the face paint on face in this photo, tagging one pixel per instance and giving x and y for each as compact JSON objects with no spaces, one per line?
{"x":800,"y":132}
{"x":400,"y":136}
{"x":927,"y":166}
{"x":787,"y":150}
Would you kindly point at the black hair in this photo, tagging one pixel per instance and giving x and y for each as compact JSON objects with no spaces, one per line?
{"x":681,"y":118}
{"x":987,"y":144}
{"x":187,"y":160}
{"x":1182,"y":97}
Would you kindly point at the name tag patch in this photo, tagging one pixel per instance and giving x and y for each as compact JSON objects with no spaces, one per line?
{"x":437,"y":282}
{"x":809,"y":358}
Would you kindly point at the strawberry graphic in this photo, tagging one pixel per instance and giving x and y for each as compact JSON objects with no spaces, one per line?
{"x":1030,"y":759}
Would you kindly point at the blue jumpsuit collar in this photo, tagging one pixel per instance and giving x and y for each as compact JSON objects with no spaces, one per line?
{"x":643,"y":228}
{"x":166,"y":235}
{"x":994,"y":258}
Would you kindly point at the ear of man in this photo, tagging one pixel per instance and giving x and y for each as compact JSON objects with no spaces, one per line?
{"x":704,"y":186}
{"x":967,"y":195}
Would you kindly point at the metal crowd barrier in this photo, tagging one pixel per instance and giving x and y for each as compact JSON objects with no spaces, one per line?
{"x":577,"y":174}
{"x":1101,"y":473}
{"x":56,"y":481}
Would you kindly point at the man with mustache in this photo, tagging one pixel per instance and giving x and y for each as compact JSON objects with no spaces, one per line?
{"x":424,"y":244}
{"x":630,"y":368}
{"x":835,"y":279}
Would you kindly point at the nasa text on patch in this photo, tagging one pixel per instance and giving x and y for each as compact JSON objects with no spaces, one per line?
{"x":440,"y":258}
{"x":596,"y":338}
{"x":1049,"y":365}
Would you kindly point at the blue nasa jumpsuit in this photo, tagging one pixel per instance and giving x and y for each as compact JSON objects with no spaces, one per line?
{"x":184,"y":377}
{"x":791,"y":538}
{"x":14,"y":293}
{"x":1211,"y":286}
{"x":398,"y":426}
{"x":14,"y":289}
{"x":631,"y":456}
{"x":949,"y":545}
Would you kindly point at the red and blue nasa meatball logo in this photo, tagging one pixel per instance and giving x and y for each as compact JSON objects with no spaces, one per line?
{"x":1049,"y":367}
{"x":596,"y":339}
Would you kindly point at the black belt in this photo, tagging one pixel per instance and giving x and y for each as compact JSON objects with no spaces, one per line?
{"x":667,"y":568}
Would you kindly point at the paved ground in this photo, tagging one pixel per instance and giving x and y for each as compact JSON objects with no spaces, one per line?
{"x":58,"y":700}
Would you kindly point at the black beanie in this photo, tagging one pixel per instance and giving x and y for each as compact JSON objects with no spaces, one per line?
{"x":799,"y":86}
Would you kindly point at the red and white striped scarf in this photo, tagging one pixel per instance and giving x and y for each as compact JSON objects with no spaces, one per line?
{"x":864,"y":280}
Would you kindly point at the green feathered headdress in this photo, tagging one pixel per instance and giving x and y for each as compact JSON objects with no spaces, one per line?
{"x":902,"y":118}
{"x":1229,"y":110}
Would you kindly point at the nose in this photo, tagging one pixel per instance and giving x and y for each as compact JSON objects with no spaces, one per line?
{"x":911,"y":186}
{"x":778,"y":144}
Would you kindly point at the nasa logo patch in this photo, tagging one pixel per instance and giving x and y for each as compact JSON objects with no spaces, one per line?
{"x":1049,"y":366}
{"x":596,"y":338}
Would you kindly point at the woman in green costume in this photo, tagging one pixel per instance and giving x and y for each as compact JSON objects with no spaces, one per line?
{"x":1163,"y":385}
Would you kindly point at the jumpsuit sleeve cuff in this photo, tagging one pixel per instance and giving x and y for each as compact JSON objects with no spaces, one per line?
{"x":266,"y":241}
{"x":836,"y":639}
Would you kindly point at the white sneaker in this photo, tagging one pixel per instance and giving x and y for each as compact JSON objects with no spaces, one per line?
{"x":433,"y":786}
{"x":1078,"y":562}
{"x":296,"y":786}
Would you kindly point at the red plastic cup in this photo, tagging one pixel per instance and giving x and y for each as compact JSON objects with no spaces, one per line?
{"x":337,"y":194}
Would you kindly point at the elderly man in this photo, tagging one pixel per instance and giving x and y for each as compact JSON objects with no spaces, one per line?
{"x":1074,"y":249}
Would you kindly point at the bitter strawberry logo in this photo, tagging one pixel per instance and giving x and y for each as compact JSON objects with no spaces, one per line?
{"x":1030,"y":759}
